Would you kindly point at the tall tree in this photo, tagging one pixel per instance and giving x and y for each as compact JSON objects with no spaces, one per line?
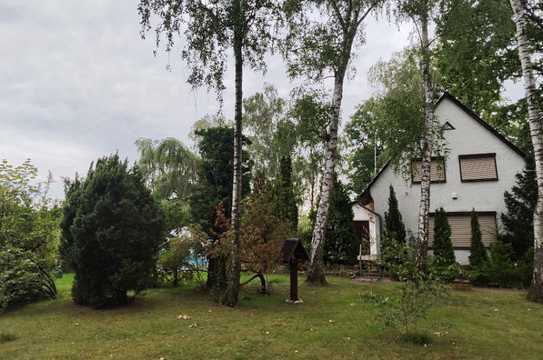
{"x":211,"y":28}
{"x":420,"y":11}
{"x":535,"y":120}
{"x":319,"y":44}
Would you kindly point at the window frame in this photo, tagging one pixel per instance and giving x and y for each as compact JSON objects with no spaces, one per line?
{"x":478,"y":156}
{"x":434,"y":158}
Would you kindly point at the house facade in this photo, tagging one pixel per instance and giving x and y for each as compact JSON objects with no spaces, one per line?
{"x":479,"y":165}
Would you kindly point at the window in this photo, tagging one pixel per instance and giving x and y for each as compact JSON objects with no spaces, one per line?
{"x":461,"y":228}
{"x":478,"y":167}
{"x":437,"y":174}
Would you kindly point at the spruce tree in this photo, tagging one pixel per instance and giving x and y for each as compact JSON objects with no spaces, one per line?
{"x":443,"y":249}
{"x":478,"y":252}
{"x":518,"y":221}
{"x":394,"y":226}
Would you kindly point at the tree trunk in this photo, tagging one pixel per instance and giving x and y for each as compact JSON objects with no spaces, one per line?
{"x":426,"y":161}
{"x":232,"y":290}
{"x":535,"y":120}
{"x":315,"y":274}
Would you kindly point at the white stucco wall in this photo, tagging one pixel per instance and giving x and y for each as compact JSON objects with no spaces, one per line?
{"x":469,"y":137}
{"x":362,"y":214}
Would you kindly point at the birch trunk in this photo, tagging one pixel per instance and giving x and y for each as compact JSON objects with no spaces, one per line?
{"x":535,"y":119}
{"x":315,"y":273}
{"x":424,"y":205}
{"x":232,"y":291}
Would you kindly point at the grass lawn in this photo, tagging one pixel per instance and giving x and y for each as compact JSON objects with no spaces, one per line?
{"x":332,"y":323}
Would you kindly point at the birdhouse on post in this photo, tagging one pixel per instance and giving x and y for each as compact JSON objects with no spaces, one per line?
{"x":293,"y":253}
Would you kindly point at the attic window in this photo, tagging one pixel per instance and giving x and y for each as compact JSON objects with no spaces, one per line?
{"x":478,"y":167}
{"x":447,"y":126}
{"x":437,"y":173}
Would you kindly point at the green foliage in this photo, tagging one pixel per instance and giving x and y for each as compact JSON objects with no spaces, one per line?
{"x":501,"y":270}
{"x":284,"y":200}
{"x":216,"y":148}
{"x":478,"y":253}
{"x":392,"y":119}
{"x":442,"y":245}
{"x":263,"y":231}
{"x":419,"y":293}
{"x":182,"y":254}
{"x":115,"y":234}
{"x":272,"y":135}
{"x":29,"y":236}
{"x":210,"y":29}
{"x":22,"y":279}
{"x":475,"y":53}
{"x":518,"y":221}
{"x":394,"y":226}
{"x":340,"y":243}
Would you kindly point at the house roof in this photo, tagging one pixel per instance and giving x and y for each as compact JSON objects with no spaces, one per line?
{"x":474,"y":116}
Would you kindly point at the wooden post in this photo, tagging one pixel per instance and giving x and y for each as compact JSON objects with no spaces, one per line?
{"x":293,"y":264}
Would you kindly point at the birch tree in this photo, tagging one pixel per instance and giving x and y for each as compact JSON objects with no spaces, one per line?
{"x":211,"y":28}
{"x":319,"y":45}
{"x":535,"y":120}
{"x":420,"y":12}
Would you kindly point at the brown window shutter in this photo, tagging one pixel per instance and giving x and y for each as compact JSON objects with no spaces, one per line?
{"x":477,"y":168}
{"x":437,"y":170}
{"x":461,"y":229}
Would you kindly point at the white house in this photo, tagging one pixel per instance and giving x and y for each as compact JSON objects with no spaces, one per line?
{"x":479,"y":166}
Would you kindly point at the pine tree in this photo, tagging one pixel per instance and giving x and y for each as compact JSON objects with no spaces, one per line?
{"x":518,"y":221}
{"x":394,"y":226}
{"x":443,"y":249}
{"x":478,"y":252}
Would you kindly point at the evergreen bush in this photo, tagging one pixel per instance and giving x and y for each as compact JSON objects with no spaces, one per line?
{"x":442,"y":245}
{"x":115,"y":234}
{"x":478,"y":253}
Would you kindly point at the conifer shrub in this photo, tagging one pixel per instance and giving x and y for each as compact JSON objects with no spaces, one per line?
{"x":114,"y":236}
{"x":478,"y":253}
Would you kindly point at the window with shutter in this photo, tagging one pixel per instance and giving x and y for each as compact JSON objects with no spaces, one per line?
{"x":478,"y":167}
{"x":461,"y":229}
{"x":437,"y":174}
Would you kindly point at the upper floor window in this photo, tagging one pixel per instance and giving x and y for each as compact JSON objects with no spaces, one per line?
{"x":478,"y":167}
{"x":437,"y":174}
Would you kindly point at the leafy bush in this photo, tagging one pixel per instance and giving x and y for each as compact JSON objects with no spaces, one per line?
{"x":419,"y":293}
{"x":501,"y":270}
{"x":115,"y":234}
{"x":22,"y":279}
{"x":29,"y":236}
{"x":182,"y":253}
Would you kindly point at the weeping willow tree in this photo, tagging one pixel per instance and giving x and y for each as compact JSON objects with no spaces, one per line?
{"x":170,"y":170}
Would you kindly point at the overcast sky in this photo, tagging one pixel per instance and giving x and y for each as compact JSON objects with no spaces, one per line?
{"x":78,"y":82}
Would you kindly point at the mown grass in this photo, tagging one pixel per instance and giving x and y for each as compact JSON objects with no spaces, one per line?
{"x":332,"y":323}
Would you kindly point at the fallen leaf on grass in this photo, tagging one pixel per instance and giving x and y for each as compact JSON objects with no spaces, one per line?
{"x":183,"y":317}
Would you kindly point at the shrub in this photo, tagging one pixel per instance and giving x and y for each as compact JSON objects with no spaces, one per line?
{"x":115,"y":234}
{"x":443,"y":249}
{"x":419,"y":293}
{"x":478,"y":252}
{"x":22,"y":279}
{"x":394,"y":226}
{"x":501,"y":270}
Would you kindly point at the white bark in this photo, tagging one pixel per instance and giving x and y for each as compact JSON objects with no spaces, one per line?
{"x":535,"y":119}
{"x":424,"y":205}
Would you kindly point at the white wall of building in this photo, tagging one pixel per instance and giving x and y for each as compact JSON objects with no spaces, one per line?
{"x":468,"y":137}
